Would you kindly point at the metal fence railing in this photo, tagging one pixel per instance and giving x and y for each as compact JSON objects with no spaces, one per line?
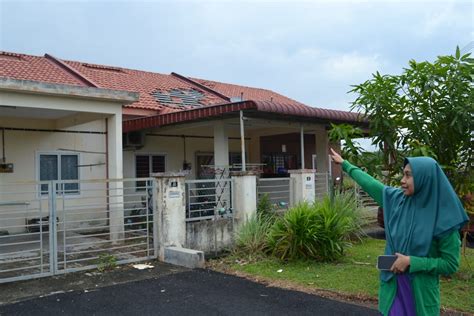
{"x":208,"y":198}
{"x":57,"y":227}
{"x":278,"y":190}
{"x":322,"y":182}
{"x":24,"y":232}
{"x":364,"y":199}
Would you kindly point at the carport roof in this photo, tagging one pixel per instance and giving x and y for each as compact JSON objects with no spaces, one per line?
{"x":274,"y":109}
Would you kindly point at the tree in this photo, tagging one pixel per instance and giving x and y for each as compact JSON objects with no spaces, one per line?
{"x":428,"y":110}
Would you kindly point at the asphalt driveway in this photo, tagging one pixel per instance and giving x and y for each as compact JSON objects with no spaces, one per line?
{"x":196,"y":292}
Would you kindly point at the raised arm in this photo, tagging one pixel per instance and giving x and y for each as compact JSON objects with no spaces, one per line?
{"x":370,"y":185}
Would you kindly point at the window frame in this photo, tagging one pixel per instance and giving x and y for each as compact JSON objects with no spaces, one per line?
{"x":150,"y":163}
{"x":58,"y":154}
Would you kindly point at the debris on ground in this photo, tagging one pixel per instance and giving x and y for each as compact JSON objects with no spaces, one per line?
{"x":142,"y":266}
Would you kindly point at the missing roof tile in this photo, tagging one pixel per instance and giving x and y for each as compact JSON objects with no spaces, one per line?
{"x":179,"y":97}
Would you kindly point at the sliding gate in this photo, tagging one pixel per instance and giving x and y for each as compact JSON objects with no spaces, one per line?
{"x":55,"y":227}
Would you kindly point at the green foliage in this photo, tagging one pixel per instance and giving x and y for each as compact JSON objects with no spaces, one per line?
{"x":344,"y":215}
{"x":347,"y":133}
{"x":295,"y":235}
{"x":252,"y":236}
{"x":265,"y":208}
{"x":427,"y":110}
{"x":320,"y":231}
{"x":106,"y":262}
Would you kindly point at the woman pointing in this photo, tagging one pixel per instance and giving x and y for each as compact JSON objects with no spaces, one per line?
{"x":422,"y":220}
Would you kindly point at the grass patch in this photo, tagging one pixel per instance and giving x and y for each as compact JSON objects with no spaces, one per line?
{"x":355,"y":274}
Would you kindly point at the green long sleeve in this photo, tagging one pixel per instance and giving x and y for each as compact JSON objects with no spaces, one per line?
{"x":370,"y":185}
{"x":445,"y":256}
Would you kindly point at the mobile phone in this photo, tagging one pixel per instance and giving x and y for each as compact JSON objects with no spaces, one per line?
{"x":385,"y":262}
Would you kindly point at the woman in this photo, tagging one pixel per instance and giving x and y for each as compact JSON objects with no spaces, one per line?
{"x":422,"y":220}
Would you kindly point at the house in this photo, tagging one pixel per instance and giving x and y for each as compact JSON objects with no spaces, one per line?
{"x":78,"y":141}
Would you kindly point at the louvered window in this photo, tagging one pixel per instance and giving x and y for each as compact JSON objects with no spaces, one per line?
{"x":147,"y":164}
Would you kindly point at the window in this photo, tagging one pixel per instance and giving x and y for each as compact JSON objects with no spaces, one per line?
{"x":59,"y":167}
{"x":278,"y":163}
{"x":147,"y":164}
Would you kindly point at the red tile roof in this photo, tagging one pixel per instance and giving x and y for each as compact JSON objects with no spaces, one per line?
{"x":26,"y":67}
{"x":161,"y":93}
{"x":146,"y":83}
{"x":248,"y":93}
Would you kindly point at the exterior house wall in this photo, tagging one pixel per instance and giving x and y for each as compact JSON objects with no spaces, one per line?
{"x":173,"y":149}
{"x":22,"y":148}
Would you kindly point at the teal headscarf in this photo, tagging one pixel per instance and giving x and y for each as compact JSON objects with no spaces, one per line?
{"x":411,"y":222}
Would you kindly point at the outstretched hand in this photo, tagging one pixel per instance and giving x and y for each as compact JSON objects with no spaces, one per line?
{"x":336,"y":157}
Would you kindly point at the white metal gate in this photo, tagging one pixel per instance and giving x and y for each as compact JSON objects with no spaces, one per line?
{"x":208,"y":198}
{"x":56,"y":227}
{"x":278,"y":190}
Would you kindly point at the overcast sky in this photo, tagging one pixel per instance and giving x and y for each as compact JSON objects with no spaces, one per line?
{"x":311,"y":51}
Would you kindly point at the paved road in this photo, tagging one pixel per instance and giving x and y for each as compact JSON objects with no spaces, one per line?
{"x":196,"y":292}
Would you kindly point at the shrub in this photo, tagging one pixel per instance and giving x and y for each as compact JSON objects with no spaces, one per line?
{"x":106,"y":262}
{"x":320,"y":231}
{"x":252,"y":236}
{"x":294,"y":235}
{"x":265,"y":207}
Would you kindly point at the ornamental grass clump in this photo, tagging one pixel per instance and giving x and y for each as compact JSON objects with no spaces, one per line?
{"x":252,"y":236}
{"x":295,"y":235}
{"x":320,"y":231}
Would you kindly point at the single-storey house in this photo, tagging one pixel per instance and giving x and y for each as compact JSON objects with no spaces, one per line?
{"x":79,"y":141}
{"x":54,"y":109}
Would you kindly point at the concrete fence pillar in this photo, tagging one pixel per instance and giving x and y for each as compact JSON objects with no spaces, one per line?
{"x":302,"y":187}
{"x":169,"y":220}
{"x":244,"y":196}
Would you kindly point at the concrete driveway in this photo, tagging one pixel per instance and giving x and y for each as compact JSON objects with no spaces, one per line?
{"x":181,"y":292}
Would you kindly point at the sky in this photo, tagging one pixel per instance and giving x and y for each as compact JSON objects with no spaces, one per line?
{"x":310,"y":51}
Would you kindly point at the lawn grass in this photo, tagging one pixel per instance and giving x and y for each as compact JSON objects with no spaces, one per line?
{"x":356,"y":275}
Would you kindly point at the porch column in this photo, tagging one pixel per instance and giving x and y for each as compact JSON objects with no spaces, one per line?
{"x":221,"y":160}
{"x":302,"y":187}
{"x":169,"y":218}
{"x":302,"y":146}
{"x":244,"y":196}
{"x":322,"y":161}
{"x":115,"y":171}
{"x":221,"y":145}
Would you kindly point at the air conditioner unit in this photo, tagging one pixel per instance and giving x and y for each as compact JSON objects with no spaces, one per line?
{"x":133,"y":139}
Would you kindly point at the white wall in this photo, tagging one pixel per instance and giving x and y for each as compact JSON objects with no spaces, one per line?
{"x":23,"y":146}
{"x":172,"y":147}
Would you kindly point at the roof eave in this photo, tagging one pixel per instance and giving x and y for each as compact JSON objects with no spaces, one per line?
{"x":54,"y":89}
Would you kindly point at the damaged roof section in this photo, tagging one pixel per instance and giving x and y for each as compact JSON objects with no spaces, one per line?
{"x":180,"y":97}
